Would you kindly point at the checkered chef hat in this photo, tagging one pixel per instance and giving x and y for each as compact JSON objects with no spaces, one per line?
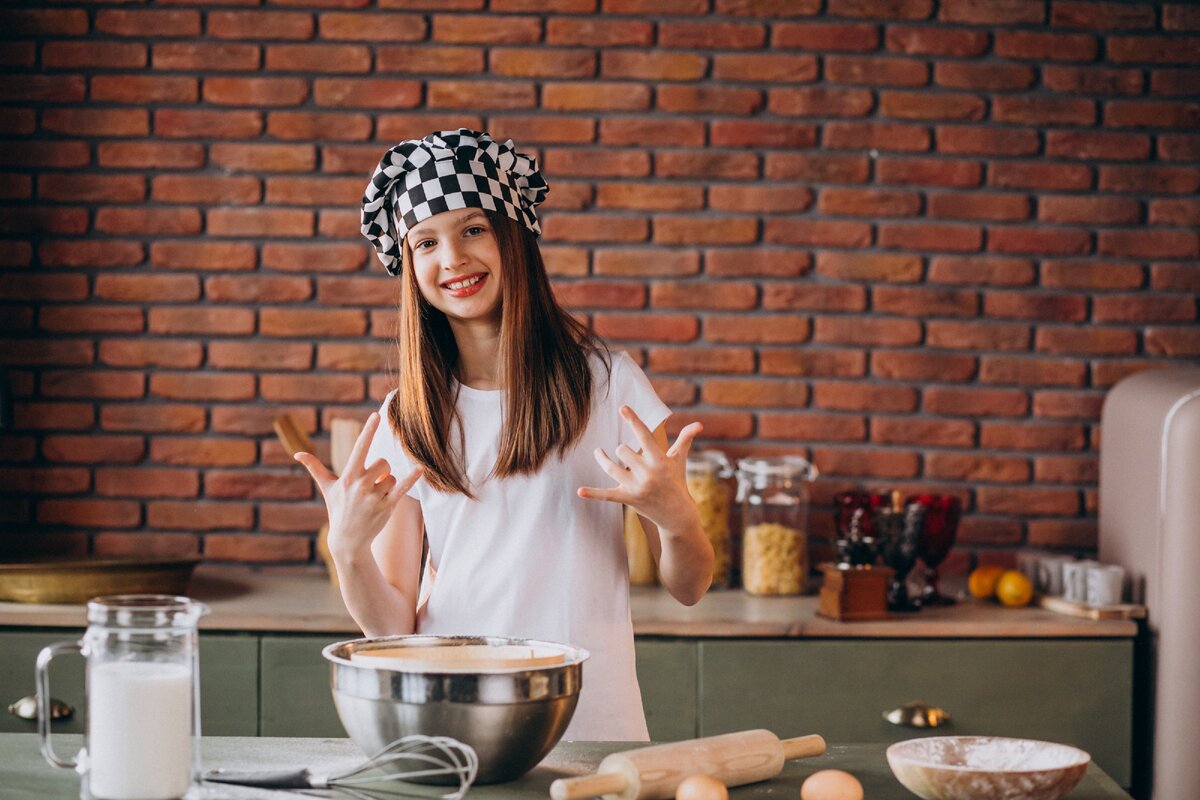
{"x":444,"y":171}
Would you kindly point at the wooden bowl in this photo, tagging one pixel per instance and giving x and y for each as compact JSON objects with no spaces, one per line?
{"x":986,"y":768}
{"x":79,"y":580}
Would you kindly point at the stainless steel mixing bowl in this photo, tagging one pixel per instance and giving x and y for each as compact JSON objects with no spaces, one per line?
{"x":511,"y":716}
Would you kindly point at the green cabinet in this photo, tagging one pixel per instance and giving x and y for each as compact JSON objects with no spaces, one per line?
{"x":666,"y":671}
{"x":295,"y":696}
{"x":18,"y":679}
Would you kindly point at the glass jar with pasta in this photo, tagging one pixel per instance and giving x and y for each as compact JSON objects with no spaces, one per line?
{"x":773,"y":494}
{"x":708,"y":481}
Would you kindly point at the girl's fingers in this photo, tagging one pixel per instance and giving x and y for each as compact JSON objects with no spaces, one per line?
{"x":316,"y":469}
{"x":629,"y":457}
{"x":358,"y":454}
{"x":612,"y":468}
{"x":683,"y":442}
{"x":409,"y":481}
{"x":614,"y":495}
{"x":386,"y":484}
{"x":378,"y":470}
{"x":644,"y":435}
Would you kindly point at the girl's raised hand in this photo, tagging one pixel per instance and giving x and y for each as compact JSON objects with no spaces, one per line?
{"x":652,"y":482}
{"x":361,"y":500}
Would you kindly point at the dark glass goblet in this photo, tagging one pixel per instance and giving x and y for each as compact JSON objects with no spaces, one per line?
{"x":854,"y":520}
{"x":942,"y":513}
{"x":899,"y":536}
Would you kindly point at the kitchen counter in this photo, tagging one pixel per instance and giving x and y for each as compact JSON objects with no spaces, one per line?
{"x":303,"y":601}
{"x":28,"y":777}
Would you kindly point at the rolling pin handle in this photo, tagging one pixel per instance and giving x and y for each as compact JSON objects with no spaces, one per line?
{"x":588,"y":786}
{"x":802,"y":747}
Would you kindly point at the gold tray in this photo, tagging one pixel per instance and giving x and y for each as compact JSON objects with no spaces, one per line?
{"x":78,"y":581}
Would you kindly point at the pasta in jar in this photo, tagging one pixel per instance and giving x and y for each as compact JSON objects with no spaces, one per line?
{"x":711,"y":495}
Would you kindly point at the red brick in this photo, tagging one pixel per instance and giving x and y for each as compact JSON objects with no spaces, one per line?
{"x":251,"y":24}
{"x":1171,"y":49}
{"x":260,"y":355}
{"x":258,"y":548}
{"x":146,"y":482}
{"x":882,"y":9}
{"x":255,"y":91}
{"x":987,"y":141}
{"x":318,"y":58}
{"x":646,"y":262}
{"x":386,"y":27}
{"x":594,"y":228}
{"x":1097,"y":209}
{"x":425,"y":58}
{"x":1039,"y":175}
{"x":599,"y":32}
{"x":977,"y":335}
{"x":257,"y":485}
{"x":870,"y":267}
{"x":754,"y":393}
{"x":760,"y":199}
{"x":647,"y":327}
{"x":93,"y":449}
{"x":107,"y":55}
{"x":1027,"y":500}
{"x":856,"y":396}
{"x":1107,"y":372}
{"x":1087,"y":341}
{"x":988,"y":12}
{"x":869,"y":202}
{"x":148,"y":154}
{"x":374,"y":358}
{"x":701,"y":360}
{"x":1143,"y":308}
{"x":52,"y":286}
{"x":820,"y":102}
{"x":756,"y":329}
{"x":1148,"y":178}
{"x":16,"y":187}
{"x":355,"y":291}
{"x":706,"y":165}
{"x":202,"y":386}
{"x":91,"y":319}
{"x":920,"y":366}
{"x":1175,"y":277}
{"x":309,"y":323}
{"x":312,"y":388}
{"x":1092,"y":80}
{"x":43,"y":88}
{"x":867,"y":331}
{"x":1148,"y":244}
{"x":1101,"y":15}
{"x":968,"y":75}
{"x":922,"y":432}
{"x":589,"y":96}
{"x":207,"y":190}
{"x":15,"y":254}
{"x":1050,"y":307}
{"x":210,"y":320}
{"x":1041,"y":241}
{"x":89,"y":513}
{"x":817,"y":167}
{"x":1102,"y":275}
{"x":978,"y":205}
{"x":987,"y":270}
{"x":876,"y":135}
{"x":925,"y":40}
{"x":812,"y":427}
{"x":762,"y":134}
{"x":202,"y":56}
{"x":209,"y":451}
{"x":1184,"y":213}
{"x":824,"y":362}
{"x":312,"y":257}
{"x":558,"y":260}
{"x":928,"y":172}
{"x":153,"y":417}
{"x":180,"y":123}
{"x":643,"y":131}
{"x":1173,"y":81}
{"x":260,"y":222}
{"x":45,"y":480}
{"x":143,"y":544}
{"x":35,"y":22}
{"x":1181,"y":17}
{"x":714,"y":295}
{"x":702,"y":99}
{"x":756,"y":262}
{"x":256,"y":420}
{"x":394,"y":93}
{"x":955,"y":238}
{"x":53,"y":416}
{"x":202,"y":255}
{"x":538,"y":63}
{"x":74,"y":253}
{"x":145,"y":352}
{"x":629,"y":64}
{"x":743,"y":8}
{"x":764,"y":67}
{"x":1044,"y":46}
{"x":976,"y":468}
{"x":873,"y":463}
{"x":1044,"y":110}
{"x":1174,"y":147}
{"x":1076,"y":534}
{"x":199,"y":515}
{"x":711,"y":35}
{"x":144,"y":22}
{"x":813,"y":297}
{"x":876,"y":71}
{"x":22,"y":54}
{"x":1132,"y":114}
{"x":96,"y":122}
{"x":811,"y":232}
{"x":971,"y":402}
{"x":142,"y":220}
{"x":1173,"y":342}
{"x":825,"y":37}
{"x":601,"y":294}
{"x":542,"y":6}
{"x":486,"y":29}
{"x":916,"y":105}
{"x":1030,"y":372}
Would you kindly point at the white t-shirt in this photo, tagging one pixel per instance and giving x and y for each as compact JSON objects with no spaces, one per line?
{"x":530,"y":558}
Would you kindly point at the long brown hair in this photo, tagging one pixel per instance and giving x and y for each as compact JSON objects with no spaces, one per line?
{"x":544,"y":370}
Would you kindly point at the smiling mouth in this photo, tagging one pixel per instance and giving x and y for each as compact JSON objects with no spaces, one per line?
{"x":463,"y":287}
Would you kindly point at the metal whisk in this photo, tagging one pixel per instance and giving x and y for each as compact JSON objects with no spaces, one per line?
{"x":411,"y":758}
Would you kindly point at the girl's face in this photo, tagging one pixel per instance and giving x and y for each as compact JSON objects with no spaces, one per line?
{"x":456,"y":262}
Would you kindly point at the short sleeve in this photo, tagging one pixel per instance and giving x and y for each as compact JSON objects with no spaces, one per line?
{"x":386,"y":445}
{"x":631,"y":387}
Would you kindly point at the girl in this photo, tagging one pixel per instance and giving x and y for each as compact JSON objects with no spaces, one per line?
{"x":496,"y":443}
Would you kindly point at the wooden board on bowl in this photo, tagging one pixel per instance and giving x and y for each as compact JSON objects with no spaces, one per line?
{"x":473,"y":657}
{"x":1061,"y":605}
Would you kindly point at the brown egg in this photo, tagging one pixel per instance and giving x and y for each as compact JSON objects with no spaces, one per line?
{"x":831,"y":784}
{"x":701,"y":787}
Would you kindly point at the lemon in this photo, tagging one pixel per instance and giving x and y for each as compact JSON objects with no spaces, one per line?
{"x":982,"y":581}
{"x":1014,"y":589}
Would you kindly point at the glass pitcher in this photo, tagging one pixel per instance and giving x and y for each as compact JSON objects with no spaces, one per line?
{"x":773,"y":493}
{"x":143,"y":698}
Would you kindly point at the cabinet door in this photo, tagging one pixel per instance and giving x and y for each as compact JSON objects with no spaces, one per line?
{"x":18,"y":679}
{"x":294,"y":685}
{"x":1078,"y":692}
{"x":666,"y":673}
{"x":228,"y":685}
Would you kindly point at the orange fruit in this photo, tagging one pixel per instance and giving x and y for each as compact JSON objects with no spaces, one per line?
{"x":1014,"y":589}
{"x":981,"y":582}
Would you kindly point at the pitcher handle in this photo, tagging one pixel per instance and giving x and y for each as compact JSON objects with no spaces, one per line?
{"x":43,"y":700}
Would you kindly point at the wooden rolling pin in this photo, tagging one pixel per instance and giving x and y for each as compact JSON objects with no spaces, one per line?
{"x":654,"y":773}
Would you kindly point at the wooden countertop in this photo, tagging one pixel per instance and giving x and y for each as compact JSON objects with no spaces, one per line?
{"x":303,"y":601}
{"x":28,"y":777}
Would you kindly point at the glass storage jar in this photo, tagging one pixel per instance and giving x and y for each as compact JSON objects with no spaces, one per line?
{"x":709,"y":476}
{"x":773,"y":495}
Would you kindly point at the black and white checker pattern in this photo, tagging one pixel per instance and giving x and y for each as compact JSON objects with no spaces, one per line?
{"x":443,"y":172}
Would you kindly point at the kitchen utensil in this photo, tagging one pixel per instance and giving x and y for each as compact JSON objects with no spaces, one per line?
{"x":290,"y":436}
{"x":408,"y":758}
{"x":986,"y":768}
{"x":511,"y":716}
{"x":916,"y":714}
{"x":654,"y":773}
{"x":343,"y":433}
{"x":143,"y":726}
{"x":77,"y":581}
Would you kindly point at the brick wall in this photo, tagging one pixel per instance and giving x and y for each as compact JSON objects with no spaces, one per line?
{"x":914,"y":240}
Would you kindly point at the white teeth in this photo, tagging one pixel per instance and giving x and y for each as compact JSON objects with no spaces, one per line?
{"x":454,"y":287}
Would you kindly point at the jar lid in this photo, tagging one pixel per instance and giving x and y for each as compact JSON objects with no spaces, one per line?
{"x":784,"y":466}
{"x":708,"y":462}
{"x":145,"y":611}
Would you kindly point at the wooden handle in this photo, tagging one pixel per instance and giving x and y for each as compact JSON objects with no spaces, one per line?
{"x":588,"y":786}
{"x":802,"y":747}
{"x":290,"y":436}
